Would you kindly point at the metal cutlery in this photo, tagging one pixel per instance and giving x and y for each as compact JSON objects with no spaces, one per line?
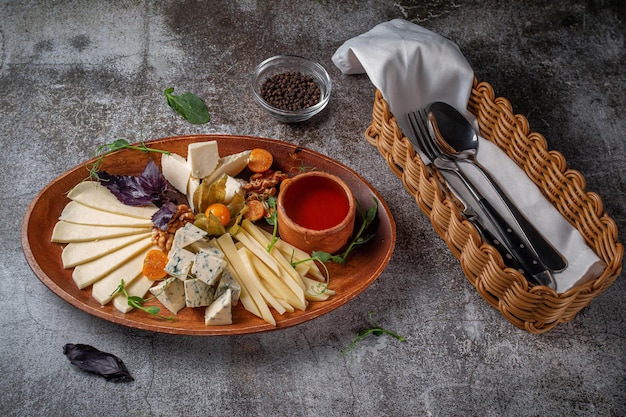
{"x":514,"y":244}
{"x":456,"y":138}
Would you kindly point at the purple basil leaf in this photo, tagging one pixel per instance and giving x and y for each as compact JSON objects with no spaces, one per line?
{"x":94,"y":361}
{"x":154,"y":183}
{"x":163,"y":216}
{"x":150,"y":187}
{"x":126,"y":188}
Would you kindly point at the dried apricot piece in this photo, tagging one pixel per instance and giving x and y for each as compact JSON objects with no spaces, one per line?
{"x":154,"y":265}
{"x":256,"y":210}
{"x":260,"y":160}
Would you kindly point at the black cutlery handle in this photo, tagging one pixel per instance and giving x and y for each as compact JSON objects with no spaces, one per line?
{"x":544,"y":250}
{"x":489,"y":238}
{"x":523,"y":254}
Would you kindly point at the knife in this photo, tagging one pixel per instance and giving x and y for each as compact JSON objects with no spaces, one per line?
{"x":526,"y":258}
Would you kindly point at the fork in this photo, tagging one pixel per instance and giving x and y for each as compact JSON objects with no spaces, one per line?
{"x":523,"y":255}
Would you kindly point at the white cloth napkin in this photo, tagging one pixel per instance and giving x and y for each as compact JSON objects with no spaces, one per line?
{"x":413,"y":67}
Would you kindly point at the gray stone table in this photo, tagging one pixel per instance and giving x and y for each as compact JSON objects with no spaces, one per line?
{"x":77,"y":74}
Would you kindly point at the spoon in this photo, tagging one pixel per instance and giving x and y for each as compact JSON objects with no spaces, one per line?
{"x":456,"y":138}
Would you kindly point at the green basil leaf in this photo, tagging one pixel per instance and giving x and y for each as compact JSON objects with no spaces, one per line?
{"x":189,"y":106}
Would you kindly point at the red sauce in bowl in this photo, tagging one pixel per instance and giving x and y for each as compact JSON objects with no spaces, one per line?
{"x":316,"y":203}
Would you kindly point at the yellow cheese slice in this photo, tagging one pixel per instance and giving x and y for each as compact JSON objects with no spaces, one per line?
{"x":138,"y":288}
{"x":75,"y":212}
{"x":102,"y":290}
{"x":65,"y":232}
{"x":76,"y":253}
{"x":90,"y":272}
{"x":92,"y":194}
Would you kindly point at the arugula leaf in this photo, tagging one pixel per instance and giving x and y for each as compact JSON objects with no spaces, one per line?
{"x":137,"y":302}
{"x":189,"y":106}
{"x":376,"y":330}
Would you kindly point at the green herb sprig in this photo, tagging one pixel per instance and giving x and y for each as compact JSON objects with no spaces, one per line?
{"x":376,"y":330}
{"x":272,"y":220}
{"x":116,"y":145}
{"x":189,"y":106}
{"x":137,"y":302}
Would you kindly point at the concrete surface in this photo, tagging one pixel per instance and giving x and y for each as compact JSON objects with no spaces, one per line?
{"x":77,"y":74}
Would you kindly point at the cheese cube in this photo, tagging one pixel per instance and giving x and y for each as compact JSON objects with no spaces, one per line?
{"x":176,"y":171}
{"x":187,"y":235}
{"x":228,"y":283}
{"x":202,"y":158}
{"x":171,"y":293}
{"x":197,"y":293}
{"x":220,"y":311}
{"x":179,"y":263}
{"x":207,"y":267}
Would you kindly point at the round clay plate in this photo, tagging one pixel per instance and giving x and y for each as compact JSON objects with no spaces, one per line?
{"x":364,"y":264}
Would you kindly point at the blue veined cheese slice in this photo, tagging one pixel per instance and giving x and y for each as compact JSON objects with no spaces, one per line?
{"x":170,"y":293}
{"x":179,"y":263}
{"x":197,"y":293}
{"x":202,"y":158}
{"x":228,"y":282}
{"x":75,"y":212}
{"x":103,"y":290}
{"x":207,"y":267}
{"x":219,"y":313}
{"x":90,"y":272}
{"x":187,"y":235}
{"x":95,"y":195}
{"x":65,"y":232}
{"x":76,"y":253}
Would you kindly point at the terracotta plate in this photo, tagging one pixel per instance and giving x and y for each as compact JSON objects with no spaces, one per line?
{"x":349,"y":280}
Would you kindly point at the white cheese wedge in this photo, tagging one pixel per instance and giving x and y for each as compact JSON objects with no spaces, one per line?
{"x":228,"y":282}
{"x":187,"y":235}
{"x":75,"y":212}
{"x":202,"y":158}
{"x":233,"y":186}
{"x":92,"y":194}
{"x":193,"y":185}
{"x":76,"y":253}
{"x":179,"y":263}
{"x":176,"y":171}
{"x":65,"y":232}
{"x":103,"y":289}
{"x":219,"y":313}
{"x":230,"y":165}
{"x":138,"y":288}
{"x":197,"y":293}
{"x":170,"y":293}
{"x":207,"y":267}
{"x":90,"y":272}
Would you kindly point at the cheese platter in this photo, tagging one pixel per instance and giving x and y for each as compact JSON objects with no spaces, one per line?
{"x":50,"y":207}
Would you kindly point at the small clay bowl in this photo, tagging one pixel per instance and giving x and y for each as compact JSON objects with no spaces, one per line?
{"x":316,"y":212}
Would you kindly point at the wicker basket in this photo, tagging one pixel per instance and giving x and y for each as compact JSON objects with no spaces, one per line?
{"x":533,"y":308}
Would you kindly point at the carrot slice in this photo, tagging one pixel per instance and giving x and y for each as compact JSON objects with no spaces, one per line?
{"x":260,"y":160}
{"x":154,"y":265}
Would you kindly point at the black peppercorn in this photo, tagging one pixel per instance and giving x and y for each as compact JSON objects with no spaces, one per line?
{"x":291,"y":90}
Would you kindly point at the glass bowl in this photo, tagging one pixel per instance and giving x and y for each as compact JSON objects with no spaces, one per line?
{"x":281,"y":64}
